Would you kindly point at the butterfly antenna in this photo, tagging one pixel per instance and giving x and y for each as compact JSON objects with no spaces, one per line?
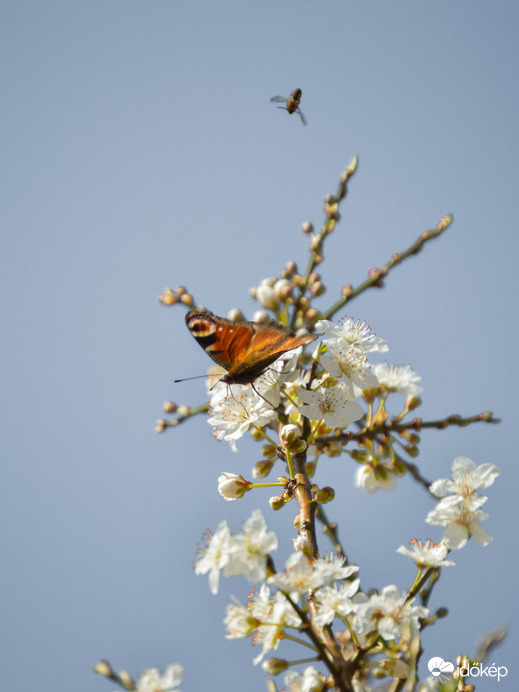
{"x":195,"y":377}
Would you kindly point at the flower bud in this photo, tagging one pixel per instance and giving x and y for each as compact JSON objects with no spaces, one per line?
{"x":412,"y":402}
{"x":289,"y":433}
{"x":351,"y":166}
{"x":307,"y":227}
{"x":169,"y":407}
{"x":276,"y":502}
{"x":160,"y":425}
{"x":235,"y":315}
{"x":275,"y":666}
{"x":298,"y":447}
{"x":256,"y":434}
{"x":317,"y":289}
{"x":290,"y":269}
{"x":361,"y":455}
{"x":399,"y":467}
{"x":262,"y":468}
{"x":126,"y":680}
{"x":283,"y":289}
{"x":267,"y":297}
{"x":260,"y":316}
{"x":167,"y":297}
{"x":183,"y":411}
{"x":103,"y":668}
{"x":231,"y":486}
{"x":315,"y":242}
{"x":324,"y":495}
{"x":187,"y":299}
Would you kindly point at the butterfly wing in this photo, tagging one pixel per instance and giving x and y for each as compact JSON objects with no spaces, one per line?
{"x":269,"y":341}
{"x":244,"y":349}
{"x":221,"y":339}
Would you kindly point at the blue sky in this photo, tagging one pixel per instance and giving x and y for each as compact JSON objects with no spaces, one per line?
{"x":141,"y":150}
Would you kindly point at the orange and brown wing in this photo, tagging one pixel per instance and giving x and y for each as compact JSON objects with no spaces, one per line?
{"x":223,"y":341}
{"x":269,"y":341}
{"x":244,"y":349}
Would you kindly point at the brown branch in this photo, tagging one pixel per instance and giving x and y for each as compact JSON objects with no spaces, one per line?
{"x":377,"y":275}
{"x":417,"y":424}
{"x":182,"y":413}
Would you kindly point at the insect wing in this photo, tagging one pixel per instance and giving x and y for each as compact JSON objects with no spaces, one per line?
{"x":221,"y":339}
{"x":244,"y":349}
{"x":279,"y":99}
{"x":303,"y":119}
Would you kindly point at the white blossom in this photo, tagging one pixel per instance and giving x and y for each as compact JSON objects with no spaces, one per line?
{"x":152,"y":680}
{"x":284,"y":369}
{"x":387,"y":613}
{"x":372,"y":478}
{"x":233,"y":415}
{"x":351,"y":365}
{"x":333,"y":404}
{"x":249,"y":550}
{"x":460,"y":511}
{"x":398,"y":378}
{"x":335,"y":600}
{"x":426,"y":554}
{"x":280,"y":615}
{"x":215,"y":556}
{"x":352,"y":334}
{"x":331,"y":568}
{"x":347,"y":348}
{"x":309,"y":681}
{"x":461,"y":521}
{"x":239,"y":621}
{"x":467,"y":478}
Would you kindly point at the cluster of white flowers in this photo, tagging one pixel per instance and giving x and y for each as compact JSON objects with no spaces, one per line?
{"x":335,"y":596}
{"x":388,"y":613}
{"x":280,"y":603}
{"x":459,"y":509}
{"x":235,"y":408}
{"x":332,"y":399}
{"x":335,"y":591}
{"x":244,"y":553}
{"x":348,"y":346}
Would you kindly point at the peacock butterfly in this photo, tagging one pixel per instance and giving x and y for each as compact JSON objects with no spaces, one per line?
{"x":244,"y":349}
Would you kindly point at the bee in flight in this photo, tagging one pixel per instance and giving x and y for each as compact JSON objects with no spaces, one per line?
{"x":292,"y":103}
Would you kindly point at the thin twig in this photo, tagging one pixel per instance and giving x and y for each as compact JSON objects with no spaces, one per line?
{"x":377,"y":275}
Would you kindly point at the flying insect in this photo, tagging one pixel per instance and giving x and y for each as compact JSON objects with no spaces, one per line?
{"x":291,"y":103}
